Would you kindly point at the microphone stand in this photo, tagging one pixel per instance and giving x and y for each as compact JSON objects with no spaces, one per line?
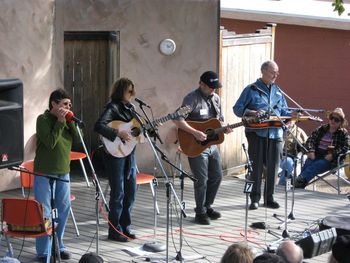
{"x":54,"y":213}
{"x":299,"y":107}
{"x":169,"y":186}
{"x":98,"y":190}
{"x":183,"y":174}
{"x":152,"y":128}
{"x":247,"y":189}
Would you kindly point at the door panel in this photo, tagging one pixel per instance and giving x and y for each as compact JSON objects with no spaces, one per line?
{"x":91,"y":65}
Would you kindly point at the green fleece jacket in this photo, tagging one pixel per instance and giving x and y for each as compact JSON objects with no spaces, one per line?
{"x":54,"y":143}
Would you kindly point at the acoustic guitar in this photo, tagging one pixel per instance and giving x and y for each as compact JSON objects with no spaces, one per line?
{"x":120,"y":148}
{"x":274,"y":121}
{"x":214,"y":131}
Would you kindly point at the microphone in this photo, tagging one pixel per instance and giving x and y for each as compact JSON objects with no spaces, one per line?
{"x":249,"y":163}
{"x":70,"y":118}
{"x":142,"y":103}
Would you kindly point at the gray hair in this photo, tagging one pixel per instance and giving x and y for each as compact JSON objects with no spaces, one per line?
{"x":267,"y":64}
{"x":290,"y":252}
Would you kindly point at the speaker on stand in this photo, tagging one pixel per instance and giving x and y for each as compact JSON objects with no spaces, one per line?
{"x":11,"y":122}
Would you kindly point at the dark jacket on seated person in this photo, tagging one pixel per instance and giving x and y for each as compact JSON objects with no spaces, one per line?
{"x":340,"y":141}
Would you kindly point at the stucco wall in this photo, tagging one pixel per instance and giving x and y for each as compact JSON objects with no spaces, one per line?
{"x":26,"y":47}
{"x":32,"y":46}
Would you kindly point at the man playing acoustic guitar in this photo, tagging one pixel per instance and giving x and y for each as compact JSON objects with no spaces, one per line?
{"x":206,"y":167}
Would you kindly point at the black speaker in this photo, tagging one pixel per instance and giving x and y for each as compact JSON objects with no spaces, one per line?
{"x":340,"y":223}
{"x":11,"y":122}
{"x":318,"y":243}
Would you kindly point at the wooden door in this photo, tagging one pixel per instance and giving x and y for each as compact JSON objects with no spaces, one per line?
{"x":91,"y":65}
{"x":241,"y":56}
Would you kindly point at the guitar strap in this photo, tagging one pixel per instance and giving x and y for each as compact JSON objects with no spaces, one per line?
{"x":215,"y":107}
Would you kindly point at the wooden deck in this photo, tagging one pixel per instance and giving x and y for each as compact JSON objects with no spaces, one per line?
{"x":208,"y":242}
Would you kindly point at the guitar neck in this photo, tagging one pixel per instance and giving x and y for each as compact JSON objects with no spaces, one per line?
{"x":231,"y":126}
{"x":163,"y":119}
{"x":160,"y":120}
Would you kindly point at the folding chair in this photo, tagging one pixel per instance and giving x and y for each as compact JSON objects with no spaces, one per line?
{"x":335,"y":171}
{"x":23,"y":218}
{"x":27,"y":182}
{"x":143,"y":178}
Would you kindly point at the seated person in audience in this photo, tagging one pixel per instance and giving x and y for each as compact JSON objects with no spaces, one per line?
{"x":238,"y":253}
{"x":324,"y":146}
{"x":290,"y":252}
{"x":268,"y":258}
{"x":341,"y":250}
{"x":292,"y":148}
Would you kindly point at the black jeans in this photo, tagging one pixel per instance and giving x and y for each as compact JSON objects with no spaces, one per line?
{"x":264,"y":152}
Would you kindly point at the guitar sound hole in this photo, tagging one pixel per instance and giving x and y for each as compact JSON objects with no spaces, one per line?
{"x":135,"y":132}
{"x":210,"y":138}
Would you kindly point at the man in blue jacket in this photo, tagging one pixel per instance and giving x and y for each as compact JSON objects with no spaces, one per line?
{"x":265,"y":144}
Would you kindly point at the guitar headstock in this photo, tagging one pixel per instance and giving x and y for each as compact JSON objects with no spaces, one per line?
{"x":183,"y":111}
{"x":315,"y":118}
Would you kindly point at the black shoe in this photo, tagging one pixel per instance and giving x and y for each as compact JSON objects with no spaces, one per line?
{"x":300,"y":182}
{"x":254,"y":206}
{"x":272,"y":204}
{"x":212,"y":214}
{"x":117,"y":237}
{"x":65,"y":255}
{"x":202,"y":219}
{"x":130,"y":235}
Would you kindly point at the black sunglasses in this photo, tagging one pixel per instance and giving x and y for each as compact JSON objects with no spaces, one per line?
{"x":335,"y":119}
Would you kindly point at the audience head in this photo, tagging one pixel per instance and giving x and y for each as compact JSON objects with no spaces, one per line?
{"x":238,"y":253}
{"x":290,"y":252}
{"x":91,"y":258}
{"x":268,"y":258}
{"x":341,"y":250}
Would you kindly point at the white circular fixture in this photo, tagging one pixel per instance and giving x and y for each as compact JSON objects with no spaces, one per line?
{"x":167,"y":46}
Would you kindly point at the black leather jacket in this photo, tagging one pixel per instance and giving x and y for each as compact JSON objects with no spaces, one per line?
{"x":113,"y":111}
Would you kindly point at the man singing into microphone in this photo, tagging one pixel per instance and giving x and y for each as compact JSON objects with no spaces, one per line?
{"x":55,"y":136}
{"x":121,"y":172}
{"x":264,"y":145}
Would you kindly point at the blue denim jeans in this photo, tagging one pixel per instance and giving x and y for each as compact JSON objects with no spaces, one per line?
{"x":42,"y":193}
{"x":122,"y":180}
{"x":207,"y":169}
{"x":313,"y":167}
{"x":287,"y":166}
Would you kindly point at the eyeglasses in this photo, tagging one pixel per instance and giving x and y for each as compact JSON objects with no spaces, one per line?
{"x":335,"y":119}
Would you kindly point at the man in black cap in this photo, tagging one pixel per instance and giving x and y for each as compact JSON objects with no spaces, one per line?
{"x":206,"y":167}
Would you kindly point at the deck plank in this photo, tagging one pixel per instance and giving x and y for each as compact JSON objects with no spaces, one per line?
{"x":208,"y":241}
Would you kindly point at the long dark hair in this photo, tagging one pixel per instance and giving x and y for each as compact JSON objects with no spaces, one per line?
{"x":119,"y":88}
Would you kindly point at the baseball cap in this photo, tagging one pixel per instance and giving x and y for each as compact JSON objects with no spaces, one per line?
{"x":211,"y":79}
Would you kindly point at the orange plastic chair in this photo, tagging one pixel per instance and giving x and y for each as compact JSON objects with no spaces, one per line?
{"x":27,"y":182}
{"x":143,"y":178}
{"x":80,"y":156}
{"x":23,"y":218}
